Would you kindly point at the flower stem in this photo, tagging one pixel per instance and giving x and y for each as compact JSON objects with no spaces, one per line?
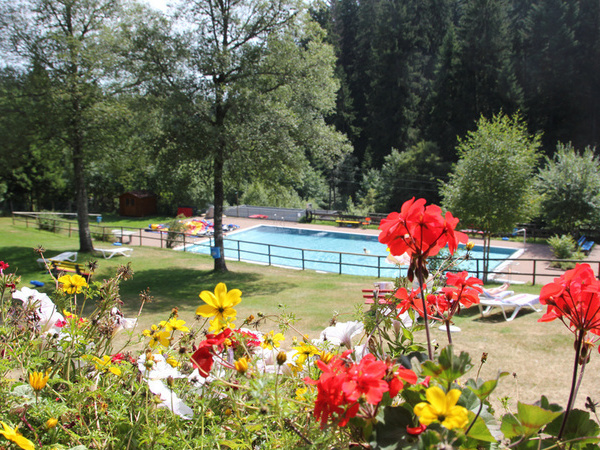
{"x":574,"y":383}
{"x":447,"y":322}
{"x":425,"y":318}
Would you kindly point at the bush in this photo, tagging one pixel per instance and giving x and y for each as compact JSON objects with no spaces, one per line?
{"x":47,"y":222}
{"x":563,"y":247}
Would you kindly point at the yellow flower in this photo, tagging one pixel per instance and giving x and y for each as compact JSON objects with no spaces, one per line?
{"x":72,"y":284}
{"x":175,"y":324}
{"x":220,"y":304}
{"x":272,"y":340}
{"x":105,"y":365}
{"x":241,"y":365}
{"x":38,"y":380}
{"x":157,"y":336}
{"x":326,"y":357}
{"x":16,"y":437}
{"x":442,"y":408}
{"x":300,"y":392}
{"x":172,"y":361}
{"x":217,"y":325}
{"x":304,"y":352}
{"x":51,"y":423}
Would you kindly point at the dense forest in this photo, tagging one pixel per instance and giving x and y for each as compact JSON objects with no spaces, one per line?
{"x":353,"y":106}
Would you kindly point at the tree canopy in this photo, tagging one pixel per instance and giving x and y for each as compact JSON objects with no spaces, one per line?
{"x":569,"y":185}
{"x":491,"y":185}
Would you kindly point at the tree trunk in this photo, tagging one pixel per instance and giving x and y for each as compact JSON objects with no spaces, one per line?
{"x":218,"y":165}
{"x":220,"y":265}
{"x":487,"y":241}
{"x":85,"y":238}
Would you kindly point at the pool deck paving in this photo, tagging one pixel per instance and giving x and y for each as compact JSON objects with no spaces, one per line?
{"x":518,"y":270}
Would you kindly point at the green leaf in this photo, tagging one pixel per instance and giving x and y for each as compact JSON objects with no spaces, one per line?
{"x":390,"y":432}
{"x":579,"y":425}
{"x":450,"y":367}
{"x":527,"y":422}
{"x":483,"y":389}
{"x":24,"y":390}
{"x":479,"y":430}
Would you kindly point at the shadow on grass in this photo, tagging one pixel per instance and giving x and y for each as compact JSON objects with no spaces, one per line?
{"x":181,"y":287}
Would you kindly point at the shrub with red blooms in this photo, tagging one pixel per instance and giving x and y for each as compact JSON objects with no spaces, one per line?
{"x":574,"y":297}
{"x":421,"y":231}
{"x":344,"y":386}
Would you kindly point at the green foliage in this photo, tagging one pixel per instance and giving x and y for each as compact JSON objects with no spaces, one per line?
{"x":563,"y":246}
{"x":491,"y":186}
{"x":570,"y":188}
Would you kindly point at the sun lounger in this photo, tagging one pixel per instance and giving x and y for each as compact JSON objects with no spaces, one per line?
{"x":64,"y":256}
{"x":516,"y":301}
{"x":108,"y":253}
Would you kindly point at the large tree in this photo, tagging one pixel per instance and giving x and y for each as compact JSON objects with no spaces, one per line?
{"x":73,"y":41}
{"x":491,"y":186}
{"x":254,"y":81}
{"x":570,"y":187}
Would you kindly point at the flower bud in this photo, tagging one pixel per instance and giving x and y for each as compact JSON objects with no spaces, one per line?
{"x":51,"y":423}
{"x":470,"y":246}
{"x":281,"y":358}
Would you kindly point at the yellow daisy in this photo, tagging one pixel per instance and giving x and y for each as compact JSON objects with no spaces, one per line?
{"x":220,"y":304}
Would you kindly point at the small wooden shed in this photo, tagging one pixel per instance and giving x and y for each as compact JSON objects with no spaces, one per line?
{"x":137,"y":204}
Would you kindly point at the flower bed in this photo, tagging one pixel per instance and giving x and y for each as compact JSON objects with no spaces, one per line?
{"x":258,"y":382}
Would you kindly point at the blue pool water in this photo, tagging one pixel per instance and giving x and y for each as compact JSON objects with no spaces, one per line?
{"x":328,"y":251}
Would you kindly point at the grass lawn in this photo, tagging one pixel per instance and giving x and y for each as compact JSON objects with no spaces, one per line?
{"x":538,"y":356}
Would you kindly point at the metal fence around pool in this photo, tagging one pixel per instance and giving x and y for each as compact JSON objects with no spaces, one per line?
{"x":337,"y":262}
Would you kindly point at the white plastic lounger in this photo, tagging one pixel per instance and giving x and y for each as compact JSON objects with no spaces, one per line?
{"x":108,"y":253}
{"x":64,"y":256}
{"x":517,"y":302}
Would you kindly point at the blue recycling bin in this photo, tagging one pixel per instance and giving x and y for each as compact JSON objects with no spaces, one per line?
{"x":215,"y":252}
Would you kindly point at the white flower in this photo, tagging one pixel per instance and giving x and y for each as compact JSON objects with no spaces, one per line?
{"x":44,"y":307}
{"x":160,"y":368}
{"x":170,"y":399}
{"x":342,"y":333}
{"x":120,"y":321}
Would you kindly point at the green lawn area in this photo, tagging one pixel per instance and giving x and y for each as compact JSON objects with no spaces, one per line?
{"x":177,"y":278}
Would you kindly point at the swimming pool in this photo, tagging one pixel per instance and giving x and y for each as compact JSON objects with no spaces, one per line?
{"x":327,"y":251}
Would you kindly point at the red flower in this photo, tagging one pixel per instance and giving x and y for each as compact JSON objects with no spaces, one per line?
{"x":420,"y":231}
{"x":574,"y":296}
{"x":202,"y":358}
{"x":366,"y":378}
{"x":415,"y":431}
{"x":411,"y":300}
{"x":396,"y":384}
{"x":344,"y":386}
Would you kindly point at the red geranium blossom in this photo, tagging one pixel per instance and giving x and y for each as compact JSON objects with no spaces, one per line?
{"x":421,"y":231}
{"x":574,"y":296}
{"x":344,"y":386}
